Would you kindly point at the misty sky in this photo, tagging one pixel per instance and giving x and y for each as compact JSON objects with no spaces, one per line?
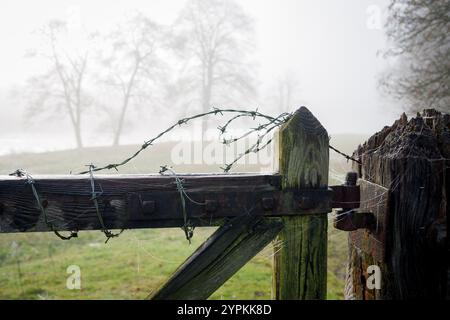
{"x":330,"y":45}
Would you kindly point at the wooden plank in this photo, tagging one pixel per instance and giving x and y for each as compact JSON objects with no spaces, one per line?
{"x":150,"y":201}
{"x":300,"y":262}
{"x":221,"y":256}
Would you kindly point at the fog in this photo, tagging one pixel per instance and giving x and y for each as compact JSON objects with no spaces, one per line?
{"x":326,"y":50}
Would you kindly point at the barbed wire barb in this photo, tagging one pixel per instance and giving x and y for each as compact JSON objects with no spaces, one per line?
{"x":345,"y":155}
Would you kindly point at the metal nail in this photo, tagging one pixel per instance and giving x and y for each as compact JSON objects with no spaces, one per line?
{"x":148,"y":207}
{"x":268,"y":203}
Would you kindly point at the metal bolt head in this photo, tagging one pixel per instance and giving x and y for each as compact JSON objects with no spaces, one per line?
{"x":351,"y":178}
{"x":268,"y":203}
{"x":305,"y":203}
{"x":211,"y":206}
{"x":436,"y":233}
{"x":148,"y":207}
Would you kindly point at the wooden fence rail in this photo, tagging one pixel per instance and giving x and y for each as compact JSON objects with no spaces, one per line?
{"x":151,"y":201}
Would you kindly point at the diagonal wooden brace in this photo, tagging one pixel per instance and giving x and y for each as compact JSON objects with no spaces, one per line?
{"x":219,"y":258}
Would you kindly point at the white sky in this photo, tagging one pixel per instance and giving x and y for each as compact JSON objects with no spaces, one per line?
{"x":331,"y":45}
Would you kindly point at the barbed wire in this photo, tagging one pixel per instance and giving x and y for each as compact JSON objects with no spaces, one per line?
{"x":263,"y":130}
{"x":188,"y":228}
{"x":344,"y":155}
{"x":278,"y":121}
{"x":20,"y":173}
{"x":271,"y":124}
{"x":94,"y":198}
{"x":256,"y":147}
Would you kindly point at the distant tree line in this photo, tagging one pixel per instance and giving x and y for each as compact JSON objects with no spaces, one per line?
{"x":203,"y":59}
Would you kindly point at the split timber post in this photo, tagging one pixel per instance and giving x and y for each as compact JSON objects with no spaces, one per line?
{"x":300,"y":259}
{"x":404,"y":178}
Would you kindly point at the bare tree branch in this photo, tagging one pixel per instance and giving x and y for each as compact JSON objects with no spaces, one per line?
{"x":419,"y":31}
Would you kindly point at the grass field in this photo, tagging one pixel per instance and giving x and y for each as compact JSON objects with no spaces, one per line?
{"x":34,"y":266}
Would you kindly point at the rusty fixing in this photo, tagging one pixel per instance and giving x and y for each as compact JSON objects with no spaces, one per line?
{"x":436,"y":233}
{"x":268,"y":203}
{"x":152,"y":207}
{"x":306,"y":203}
{"x":211,"y":206}
{"x":140,"y":209}
{"x":351,"y":178}
{"x":368,"y":224}
{"x":347,"y":195}
{"x":148,"y":207}
{"x":353,"y":220}
{"x":44,"y":203}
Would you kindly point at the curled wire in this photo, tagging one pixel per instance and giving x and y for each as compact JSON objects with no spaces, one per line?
{"x":20,"y":173}
{"x":188,"y":228}
{"x":108,"y":233}
{"x":272,"y":122}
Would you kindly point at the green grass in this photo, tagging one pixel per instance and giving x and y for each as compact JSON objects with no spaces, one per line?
{"x":33,"y":266}
{"x":129,"y":267}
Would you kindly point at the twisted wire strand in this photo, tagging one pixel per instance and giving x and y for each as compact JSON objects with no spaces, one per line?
{"x":216,"y":111}
{"x":344,"y":155}
{"x":108,"y":233}
{"x":188,"y":228}
{"x":20,"y":173}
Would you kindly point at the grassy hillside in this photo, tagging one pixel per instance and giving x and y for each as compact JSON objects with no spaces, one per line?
{"x":34,"y":266}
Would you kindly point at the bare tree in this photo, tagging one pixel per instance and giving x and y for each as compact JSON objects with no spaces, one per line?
{"x":214,"y":39}
{"x":420,"y":34}
{"x":282,"y":94}
{"x":131,"y":66}
{"x":60,"y":90}
{"x":287,"y":92}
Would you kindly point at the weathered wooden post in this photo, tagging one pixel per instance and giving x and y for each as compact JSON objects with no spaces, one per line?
{"x":410,"y":161}
{"x":300,"y":259}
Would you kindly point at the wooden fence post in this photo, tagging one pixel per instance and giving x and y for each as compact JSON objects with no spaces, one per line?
{"x":300,"y":259}
{"x":410,"y":159}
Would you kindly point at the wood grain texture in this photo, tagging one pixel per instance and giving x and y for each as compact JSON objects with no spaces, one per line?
{"x":122,"y":201}
{"x":69,"y":204}
{"x":371,"y":240}
{"x":410,"y":158}
{"x":300,"y":262}
{"x":221,"y":256}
